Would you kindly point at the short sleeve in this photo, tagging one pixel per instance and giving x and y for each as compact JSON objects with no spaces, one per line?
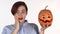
{"x":6,"y":30}
{"x":35,"y":27}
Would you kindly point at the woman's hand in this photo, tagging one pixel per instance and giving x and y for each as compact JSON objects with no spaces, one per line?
{"x":43,"y":29}
{"x":15,"y":31}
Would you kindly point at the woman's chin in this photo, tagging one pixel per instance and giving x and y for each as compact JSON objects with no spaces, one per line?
{"x":21,"y":21}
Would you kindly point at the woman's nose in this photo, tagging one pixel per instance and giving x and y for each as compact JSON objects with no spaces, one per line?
{"x":20,"y":14}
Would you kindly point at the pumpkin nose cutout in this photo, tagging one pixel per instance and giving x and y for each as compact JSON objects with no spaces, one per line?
{"x":47,"y":21}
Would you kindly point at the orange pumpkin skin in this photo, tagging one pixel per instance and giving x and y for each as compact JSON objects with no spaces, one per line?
{"x":45,"y":18}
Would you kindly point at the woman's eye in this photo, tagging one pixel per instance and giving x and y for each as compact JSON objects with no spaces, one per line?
{"x":23,"y":11}
{"x":48,"y":16}
{"x":17,"y":12}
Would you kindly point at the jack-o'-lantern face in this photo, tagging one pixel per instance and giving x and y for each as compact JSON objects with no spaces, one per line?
{"x":45,"y":18}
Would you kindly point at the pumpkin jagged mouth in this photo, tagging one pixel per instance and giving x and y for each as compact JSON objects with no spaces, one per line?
{"x":45,"y":20}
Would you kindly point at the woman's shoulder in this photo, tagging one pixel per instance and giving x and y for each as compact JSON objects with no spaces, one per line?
{"x":10,"y":27}
{"x":33,"y":25}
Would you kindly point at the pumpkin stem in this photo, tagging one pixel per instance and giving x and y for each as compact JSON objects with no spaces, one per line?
{"x":46,"y":7}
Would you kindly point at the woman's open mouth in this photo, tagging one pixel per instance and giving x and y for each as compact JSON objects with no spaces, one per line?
{"x":20,"y":18}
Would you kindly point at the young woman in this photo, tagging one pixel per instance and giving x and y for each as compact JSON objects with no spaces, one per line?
{"x":21,"y":26}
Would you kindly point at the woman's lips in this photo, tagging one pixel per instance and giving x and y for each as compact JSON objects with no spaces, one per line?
{"x":20,"y":18}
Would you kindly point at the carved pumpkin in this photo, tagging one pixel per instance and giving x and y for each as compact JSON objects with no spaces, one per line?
{"x":45,"y":18}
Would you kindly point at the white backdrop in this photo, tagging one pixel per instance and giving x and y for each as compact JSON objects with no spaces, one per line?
{"x":34,"y":6}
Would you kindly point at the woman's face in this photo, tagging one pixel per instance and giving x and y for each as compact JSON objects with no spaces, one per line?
{"x":21,"y":14}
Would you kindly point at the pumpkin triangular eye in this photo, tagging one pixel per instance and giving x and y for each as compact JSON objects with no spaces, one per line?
{"x":48,"y":16}
{"x":43,"y":17}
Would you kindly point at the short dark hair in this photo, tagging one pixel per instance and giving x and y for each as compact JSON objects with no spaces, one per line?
{"x":16,"y":5}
